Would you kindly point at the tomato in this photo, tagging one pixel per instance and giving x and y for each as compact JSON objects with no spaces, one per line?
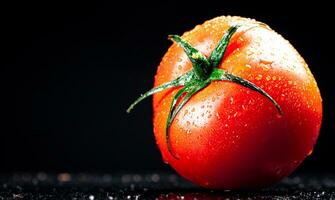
{"x":228,"y":136}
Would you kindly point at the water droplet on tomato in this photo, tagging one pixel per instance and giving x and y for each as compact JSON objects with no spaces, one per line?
{"x":279,"y":115}
{"x":259,"y":77}
{"x":310,"y":152}
{"x":231,"y":100}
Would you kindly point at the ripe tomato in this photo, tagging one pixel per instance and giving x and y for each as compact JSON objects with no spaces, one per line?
{"x":228,"y":136}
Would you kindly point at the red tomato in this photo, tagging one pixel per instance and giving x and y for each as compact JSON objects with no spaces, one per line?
{"x":228,"y":136}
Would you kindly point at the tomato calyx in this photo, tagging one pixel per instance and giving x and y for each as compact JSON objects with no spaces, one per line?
{"x":204,"y":71}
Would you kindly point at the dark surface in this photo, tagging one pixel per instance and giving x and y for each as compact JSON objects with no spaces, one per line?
{"x":151,"y":186}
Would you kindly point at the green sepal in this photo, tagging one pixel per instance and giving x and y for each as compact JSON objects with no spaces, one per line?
{"x":180,"y":81}
{"x":217,"y":55}
{"x":189,"y":91}
{"x":221,"y":75}
{"x":201,"y":66}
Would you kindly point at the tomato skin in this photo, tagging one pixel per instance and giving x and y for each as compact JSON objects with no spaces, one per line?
{"x":228,"y":136}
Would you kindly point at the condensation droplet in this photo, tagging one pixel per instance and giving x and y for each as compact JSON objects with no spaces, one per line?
{"x":231,"y":100}
{"x":310,"y":152}
{"x":265,"y":67}
{"x":259,"y":77}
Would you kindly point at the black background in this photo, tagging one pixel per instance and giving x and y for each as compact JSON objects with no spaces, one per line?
{"x":75,"y":66}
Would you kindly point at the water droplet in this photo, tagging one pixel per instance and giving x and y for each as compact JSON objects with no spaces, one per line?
{"x":310,"y":152}
{"x":231,"y":100}
{"x":266,"y":61}
{"x":265,"y":67}
{"x":248,"y":66}
{"x":91,"y":197}
{"x":259,"y":77}
{"x":155,"y":177}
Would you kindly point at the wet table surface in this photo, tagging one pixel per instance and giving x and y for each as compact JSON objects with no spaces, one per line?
{"x":151,"y":186}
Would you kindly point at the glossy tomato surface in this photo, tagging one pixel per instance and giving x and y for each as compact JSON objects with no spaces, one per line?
{"x":228,"y":136}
